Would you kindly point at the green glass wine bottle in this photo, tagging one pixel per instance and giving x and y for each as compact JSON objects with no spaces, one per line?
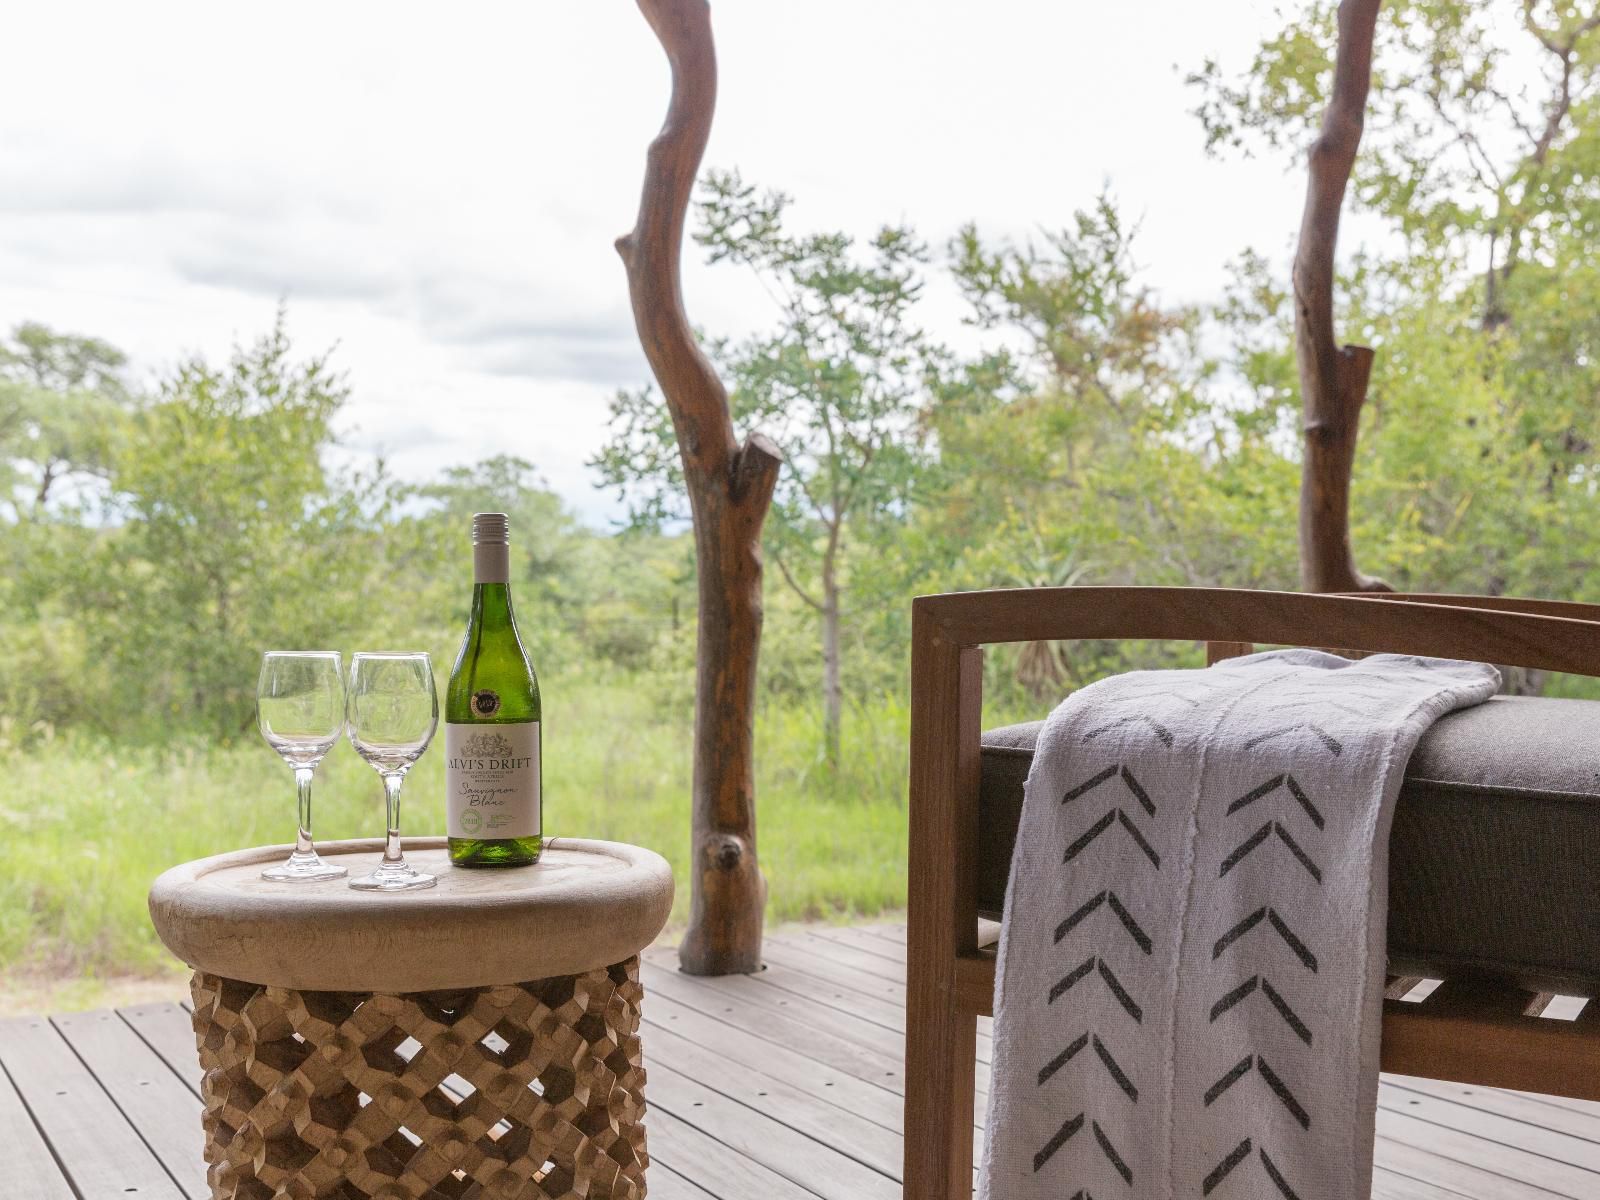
{"x":492,"y":714}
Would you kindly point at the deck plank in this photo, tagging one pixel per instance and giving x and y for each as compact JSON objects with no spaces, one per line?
{"x":1494,"y":1129}
{"x":813,"y":1165}
{"x":1509,"y":1164}
{"x":860,"y":939}
{"x":168,"y":1030}
{"x":862,"y":960}
{"x":1386,"y":1185}
{"x":30,"y":1169}
{"x":667,"y":1184}
{"x":1514,"y":1105}
{"x":889,"y":933}
{"x":821,"y":1044}
{"x":1582,"y":1106}
{"x":848,"y":1023}
{"x":882,"y":1010}
{"x":784,"y":1085}
{"x":713,"y":1166}
{"x":163,"y":1110}
{"x":1399,"y":1160}
{"x":817,"y":957}
{"x":103,"y":1155}
{"x":836,"y":986}
{"x":842,"y":1039}
{"x":867,"y":1100}
{"x":814,"y":960}
{"x":815,"y":1116}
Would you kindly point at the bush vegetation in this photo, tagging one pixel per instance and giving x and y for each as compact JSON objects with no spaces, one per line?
{"x":155,"y":539}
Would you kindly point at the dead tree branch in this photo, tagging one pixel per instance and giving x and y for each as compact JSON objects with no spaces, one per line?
{"x":1333,"y":378}
{"x":730,"y":489}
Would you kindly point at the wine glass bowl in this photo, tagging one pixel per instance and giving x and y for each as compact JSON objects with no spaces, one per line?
{"x":391,"y":714}
{"x":300,"y":709}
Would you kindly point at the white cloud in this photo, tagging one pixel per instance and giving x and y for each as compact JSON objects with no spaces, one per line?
{"x":437,"y":189}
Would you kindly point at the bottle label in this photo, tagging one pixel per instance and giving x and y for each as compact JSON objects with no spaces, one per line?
{"x":492,"y":780}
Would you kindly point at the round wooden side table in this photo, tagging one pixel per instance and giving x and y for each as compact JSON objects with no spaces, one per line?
{"x":478,"y":1039}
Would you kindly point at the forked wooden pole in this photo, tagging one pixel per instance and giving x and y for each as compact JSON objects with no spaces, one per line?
{"x":730,"y":488}
{"x":1333,"y":378}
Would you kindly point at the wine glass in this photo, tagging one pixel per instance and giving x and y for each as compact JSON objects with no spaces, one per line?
{"x":300,"y":710}
{"x":392,"y":713}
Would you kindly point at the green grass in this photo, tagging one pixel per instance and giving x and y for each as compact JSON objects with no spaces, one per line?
{"x":85,"y":826}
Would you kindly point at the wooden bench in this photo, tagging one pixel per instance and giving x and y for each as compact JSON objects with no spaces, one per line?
{"x":1469,"y":1030}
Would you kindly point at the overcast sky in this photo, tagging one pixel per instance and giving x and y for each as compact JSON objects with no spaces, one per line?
{"x":436,"y":188}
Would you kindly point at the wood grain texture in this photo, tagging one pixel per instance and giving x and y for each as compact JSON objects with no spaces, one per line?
{"x":522,"y":1091}
{"x":730,"y":489}
{"x":823,"y":1121}
{"x":169,"y":1032}
{"x":1333,"y":378}
{"x":1221,"y":651}
{"x":1479,"y":1032}
{"x":754,"y":1135}
{"x":719,"y":1169}
{"x":941,"y":1033}
{"x":154,"y":1102}
{"x":1436,"y":1140}
{"x":104,"y":1156}
{"x":1493,"y":631}
{"x":769,"y":1053}
{"x":586,"y":904}
{"x":879,"y":1067}
{"x":28,"y":1166}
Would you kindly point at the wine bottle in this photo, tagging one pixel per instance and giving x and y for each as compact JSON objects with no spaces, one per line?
{"x":492,"y":714}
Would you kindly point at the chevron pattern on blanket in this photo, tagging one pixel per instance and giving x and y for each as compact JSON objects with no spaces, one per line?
{"x":1097,"y":965}
{"x":1191,"y":959}
{"x":1289,"y":879}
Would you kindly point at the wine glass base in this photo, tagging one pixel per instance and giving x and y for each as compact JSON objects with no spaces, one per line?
{"x":394,"y":877}
{"x":303,"y":868}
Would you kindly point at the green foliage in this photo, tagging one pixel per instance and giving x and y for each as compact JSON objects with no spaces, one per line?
{"x":90,"y":823}
{"x":228,"y":536}
{"x":1475,"y":470}
{"x":1482,"y":137}
{"x":152,"y":545}
{"x":838,"y":384}
{"x":61,"y":400}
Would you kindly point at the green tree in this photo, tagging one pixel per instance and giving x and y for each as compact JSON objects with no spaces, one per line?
{"x":61,"y":400}
{"x":838,"y":383}
{"x":1093,"y":435}
{"x":1482,"y":143}
{"x":582,"y":598}
{"x":1476,"y":468}
{"x":229,"y":535}
{"x":63,"y":403}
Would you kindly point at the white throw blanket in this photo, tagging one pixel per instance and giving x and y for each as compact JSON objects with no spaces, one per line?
{"x":1190,"y":982}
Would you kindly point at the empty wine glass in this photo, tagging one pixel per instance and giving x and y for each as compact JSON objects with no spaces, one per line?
{"x":393,"y":711}
{"x":300,"y":709}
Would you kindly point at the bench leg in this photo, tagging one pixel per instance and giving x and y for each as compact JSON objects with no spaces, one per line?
{"x":941,"y":1031}
{"x":941,"y":1058}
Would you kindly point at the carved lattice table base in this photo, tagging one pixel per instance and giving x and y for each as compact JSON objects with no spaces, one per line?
{"x":499,"y":1093}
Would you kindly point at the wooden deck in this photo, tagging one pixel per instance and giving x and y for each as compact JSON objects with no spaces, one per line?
{"x":780,"y":1086}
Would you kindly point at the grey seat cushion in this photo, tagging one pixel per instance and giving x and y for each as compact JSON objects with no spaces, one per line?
{"x":1494,"y":858}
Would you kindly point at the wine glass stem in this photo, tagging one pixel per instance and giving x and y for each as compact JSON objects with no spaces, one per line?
{"x":391,"y":794}
{"x":302,"y":780}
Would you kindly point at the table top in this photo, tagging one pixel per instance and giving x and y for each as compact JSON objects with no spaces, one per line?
{"x":585,"y":904}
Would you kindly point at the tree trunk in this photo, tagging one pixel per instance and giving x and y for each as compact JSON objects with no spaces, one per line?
{"x":1333,"y":378}
{"x":730,"y":488}
{"x":832,"y":688}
